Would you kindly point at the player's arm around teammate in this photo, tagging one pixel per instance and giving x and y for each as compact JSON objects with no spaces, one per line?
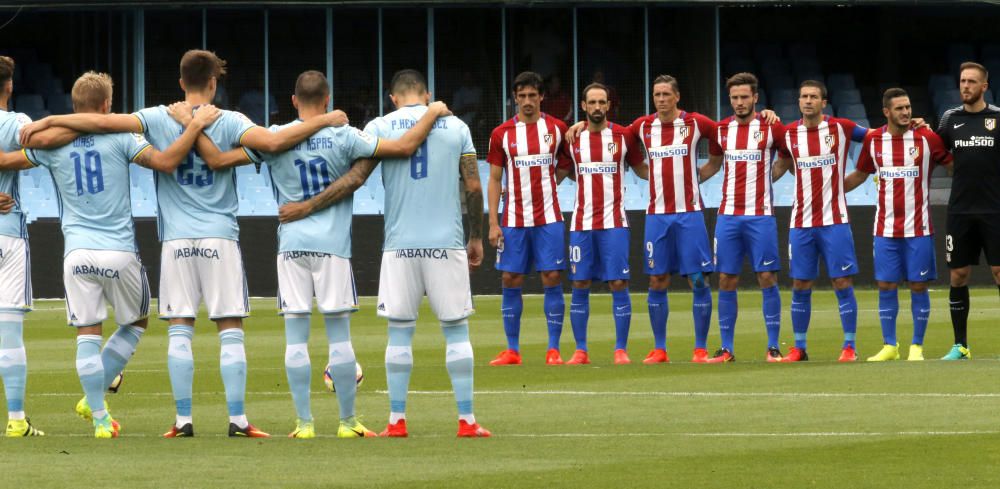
{"x":362,"y":169}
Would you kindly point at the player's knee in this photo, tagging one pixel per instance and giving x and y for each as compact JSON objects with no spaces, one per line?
{"x":918,"y":287}
{"x":511,"y":279}
{"x":551,"y":278}
{"x":960,"y":277}
{"x":659,"y":282}
{"x":887,"y":285}
{"x":617,"y":285}
{"x":767,"y":279}
{"x":697,"y":280}
{"x":728,"y":282}
{"x":840,"y":283}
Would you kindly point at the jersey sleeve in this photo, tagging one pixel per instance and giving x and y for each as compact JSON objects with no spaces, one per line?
{"x":635,"y":152}
{"x":855,"y":132}
{"x":134,"y":144}
{"x":37,"y":157}
{"x":865,"y":162}
{"x":236,"y":125}
{"x":468,"y":148}
{"x":148,"y":118}
{"x":565,"y":158}
{"x":939,"y":154}
{"x":20,"y":120}
{"x":714,"y":148}
{"x":705,"y":125}
{"x":376,"y":127}
{"x":496,"y":155}
{"x":360,"y":144}
{"x":781,"y":143}
{"x":944,"y":130}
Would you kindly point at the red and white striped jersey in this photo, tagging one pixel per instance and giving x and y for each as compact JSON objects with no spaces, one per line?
{"x":904,"y":165}
{"x":671,"y":149}
{"x":819,"y":157}
{"x":599,"y":160}
{"x":747,"y":151}
{"x":529,"y":153}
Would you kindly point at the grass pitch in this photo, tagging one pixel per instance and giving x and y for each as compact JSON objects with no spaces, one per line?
{"x":742,"y":425}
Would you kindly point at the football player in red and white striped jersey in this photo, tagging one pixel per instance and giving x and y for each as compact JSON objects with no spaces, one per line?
{"x":746,"y":222}
{"x":529,"y":234}
{"x":599,"y":236}
{"x":904,"y":236}
{"x":818,"y":146}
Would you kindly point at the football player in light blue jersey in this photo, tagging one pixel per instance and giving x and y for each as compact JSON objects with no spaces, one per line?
{"x":15,"y":268}
{"x":424,"y":250}
{"x":314,"y":252}
{"x":201,"y":258}
{"x":101,"y":261}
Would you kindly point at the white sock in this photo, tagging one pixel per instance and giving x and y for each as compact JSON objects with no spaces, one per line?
{"x":15,"y":415}
{"x":99,"y":414}
{"x":183,"y":420}
{"x":240,"y":421}
{"x":468,"y":418}
{"x":395,"y":417}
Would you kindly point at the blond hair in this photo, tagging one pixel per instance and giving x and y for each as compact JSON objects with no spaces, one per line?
{"x":91,"y":90}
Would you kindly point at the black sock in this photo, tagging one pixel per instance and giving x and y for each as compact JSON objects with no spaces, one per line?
{"x":959,"y":300}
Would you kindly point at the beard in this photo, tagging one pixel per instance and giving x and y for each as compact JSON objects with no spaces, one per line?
{"x":972,"y":97}
{"x":596,"y":117}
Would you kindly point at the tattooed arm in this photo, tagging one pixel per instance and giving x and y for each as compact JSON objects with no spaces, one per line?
{"x":336,"y":191}
{"x":474,"y":203}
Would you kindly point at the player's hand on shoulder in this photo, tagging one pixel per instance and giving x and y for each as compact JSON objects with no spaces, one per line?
{"x":293,"y":211}
{"x":770,"y":116}
{"x":6,"y":203}
{"x":574,"y":130}
{"x":182,"y":112}
{"x":918,"y":122}
{"x":336,"y":118}
{"x":496,"y":236}
{"x":474,"y":251}
{"x":206,"y":115}
{"x":34,"y":127}
{"x":440,"y":108}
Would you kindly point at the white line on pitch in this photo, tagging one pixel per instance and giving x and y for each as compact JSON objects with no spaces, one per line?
{"x":851,"y":434}
{"x":943,"y":395}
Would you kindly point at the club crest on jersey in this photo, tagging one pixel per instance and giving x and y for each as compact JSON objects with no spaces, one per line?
{"x":757,"y":136}
{"x":684,"y":131}
{"x":547,"y":138}
{"x":991,"y":123}
{"x":913,"y":151}
{"x":829,"y":139}
{"x":612,"y":147}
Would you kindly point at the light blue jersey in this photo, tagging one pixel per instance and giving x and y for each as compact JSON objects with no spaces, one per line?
{"x":13,"y":223}
{"x":422,"y":205}
{"x":307,"y":169}
{"x":92,"y":185}
{"x":194,"y":201}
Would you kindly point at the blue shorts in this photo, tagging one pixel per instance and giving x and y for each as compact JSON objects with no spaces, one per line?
{"x":910,"y":259}
{"x":532,"y":248}
{"x":737,"y":236}
{"x":835,"y":243}
{"x":677,"y":243}
{"x":599,"y":255}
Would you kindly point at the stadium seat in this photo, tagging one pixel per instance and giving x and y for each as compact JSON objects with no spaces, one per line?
{"x":566,"y":200}
{"x":787,"y":112}
{"x":947,"y":99}
{"x":851,"y":111}
{"x":249,"y":181}
{"x":366,"y":207}
{"x":780,"y":81}
{"x":245,"y":170}
{"x":44,"y":208}
{"x":784,"y":96}
{"x":59,"y":103}
{"x":844,"y":97}
{"x":941,"y":82}
{"x":808,"y":75}
{"x":840,"y":81}
{"x":959,"y":53}
{"x":767,"y":51}
{"x":863,"y":123}
{"x":245,"y":207}
{"x":265,"y":207}
{"x":143,"y":208}
{"x":739,"y":65}
{"x":29,"y":103}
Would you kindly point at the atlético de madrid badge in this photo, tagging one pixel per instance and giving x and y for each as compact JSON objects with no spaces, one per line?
{"x":991,"y":123}
{"x":757,"y":136}
{"x":612,"y":147}
{"x":547,"y":138}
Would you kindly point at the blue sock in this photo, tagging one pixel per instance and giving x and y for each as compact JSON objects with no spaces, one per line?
{"x":701,"y":308}
{"x":801,"y":313}
{"x":13,"y":361}
{"x":848,"y":305}
{"x":555,"y":309}
{"x":118,"y":350}
{"x":399,"y":364}
{"x":298,"y":369}
{"x":233,"y":366}
{"x":920,"y":307}
{"x":772,"y":315}
{"x":458,"y":359}
{"x":342,"y":361}
{"x":622,"y":302}
{"x":658,"y":311}
{"x":727,"y":318}
{"x":579,"y":314}
{"x":180,"y":365}
{"x":888,"y":309}
{"x":90,"y":368}
{"x":511,"y":306}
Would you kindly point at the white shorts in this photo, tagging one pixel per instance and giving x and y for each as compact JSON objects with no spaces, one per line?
{"x":407,"y":275}
{"x":302,"y":274}
{"x":94,"y":278}
{"x":15,"y":274}
{"x":206,"y":268}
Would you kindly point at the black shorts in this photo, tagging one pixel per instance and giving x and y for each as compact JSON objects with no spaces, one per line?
{"x":970,"y":234}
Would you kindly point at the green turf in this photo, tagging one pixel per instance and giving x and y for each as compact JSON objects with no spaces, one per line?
{"x":742,"y":425}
